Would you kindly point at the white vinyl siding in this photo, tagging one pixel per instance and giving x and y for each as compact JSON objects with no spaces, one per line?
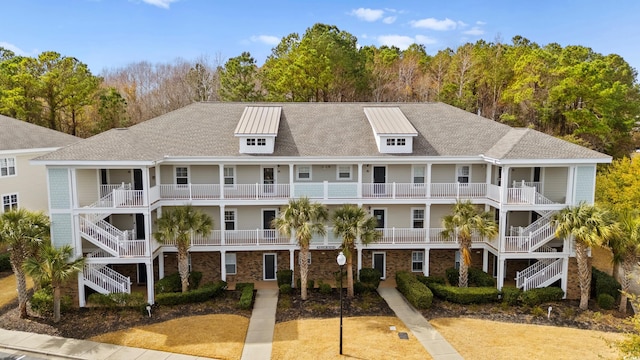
{"x":584,"y":186}
{"x":59,"y":189}
{"x":61,"y":233}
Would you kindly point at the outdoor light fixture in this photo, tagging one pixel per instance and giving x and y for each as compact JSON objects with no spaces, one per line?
{"x":341,"y":261}
{"x":149,"y":310}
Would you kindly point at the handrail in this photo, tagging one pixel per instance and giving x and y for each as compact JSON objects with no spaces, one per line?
{"x":543,"y":275}
{"x":107,"y":279}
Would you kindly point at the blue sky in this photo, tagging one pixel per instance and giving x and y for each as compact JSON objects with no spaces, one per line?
{"x":114,"y":33}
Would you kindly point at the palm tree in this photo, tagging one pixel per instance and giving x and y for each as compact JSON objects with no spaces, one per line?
{"x":464,"y":220}
{"x":54,"y":267}
{"x":302,"y":218}
{"x":22,"y":231}
{"x":353,"y":223}
{"x":625,"y":246}
{"x":589,"y":226}
{"x":177,"y":226}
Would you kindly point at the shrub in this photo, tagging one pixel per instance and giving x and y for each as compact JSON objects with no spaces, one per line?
{"x":476,"y":277}
{"x":370,"y":276}
{"x":606,"y":301}
{"x":534,"y":297}
{"x":537,"y":311}
{"x":194,"y":296}
{"x":42,"y":302}
{"x":472,"y":295}
{"x":5,"y":262}
{"x":171,"y":283}
{"x":360,"y":287}
{"x":284,"y":276}
{"x":603,"y":283}
{"x":285,"y":289}
{"x":427,"y":280}
{"x":324,"y":288}
{"x":246,"y":299}
{"x":511,"y":295}
{"x":417,"y":293}
{"x":241,"y":286}
{"x":310,"y":283}
{"x":115,"y":300}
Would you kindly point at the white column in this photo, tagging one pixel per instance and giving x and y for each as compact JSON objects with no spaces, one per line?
{"x":221,"y":179}
{"x":427,"y":221}
{"x":564,"y":282}
{"x":223,"y":267}
{"x":501,"y":268}
{"x":502,"y":230}
{"x":147,"y":234}
{"x":145,"y":186}
{"x":291,"y":181}
{"x":487,"y":178}
{"x":161,"y":265}
{"x":485,"y":260}
{"x":359,"y":190}
{"x":359,"y":256}
{"x":81,"y":295}
{"x":504,"y":190}
{"x":292,"y":256}
{"x":150,"y":283}
{"x":428,"y":177}
{"x":425,"y":267}
{"x":569,"y":197}
{"x":223,"y":237}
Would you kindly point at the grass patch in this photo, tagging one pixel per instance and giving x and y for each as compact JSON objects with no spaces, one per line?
{"x":8,"y":289}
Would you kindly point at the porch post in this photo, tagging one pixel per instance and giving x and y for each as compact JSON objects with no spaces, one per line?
{"x":222,"y":228}
{"x":359,"y":190}
{"x":427,"y":222}
{"x":145,"y":186}
{"x":291,"y":183}
{"x":425,"y":265}
{"x":501,"y":272}
{"x":82,"y":302}
{"x":292,"y":255}
{"x":221,"y":179}
{"x":504,"y":190}
{"x":359,"y":267}
{"x":150,"y":284}
{"x":161,"y":265}
{"x":428,"y":177}
{"x":564,"y":282}
{"x":147,"y":234}
{"x":569,"y":196}
{"x":485,"y":260}
{"x":502,"y":228}
{"x":223,"y":267}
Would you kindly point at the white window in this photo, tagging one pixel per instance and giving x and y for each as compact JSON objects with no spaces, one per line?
{"x":9,"y":202}
{"x":401,"y":142}
{"x":464,"y":174}
{"x":230,"y":263}
{"x":303,"y":172}
{"x":417,"y":218}
{"x":417,"y":261}
{"x":230,"y":219}
{"x":344,"y":172}
{"x":418,"y":174}
{"x":229,"y":176}
{"x":7,"y":166}
{"x":251,"y":142}
{"x":457,"y":260}
{"x":391,"y":142}
{"x":182,"y":175}
{"x":262,"y":142}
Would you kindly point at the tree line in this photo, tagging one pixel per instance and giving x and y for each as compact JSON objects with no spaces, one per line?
{"x":570,"y":92}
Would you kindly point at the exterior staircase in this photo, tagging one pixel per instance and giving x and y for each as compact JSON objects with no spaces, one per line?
{"x":532,"y":237}
{"x":105,"y":280}
{"x":541,"y":274}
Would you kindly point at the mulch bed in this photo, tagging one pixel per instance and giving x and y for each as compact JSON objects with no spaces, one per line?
{"x":87,"y":322}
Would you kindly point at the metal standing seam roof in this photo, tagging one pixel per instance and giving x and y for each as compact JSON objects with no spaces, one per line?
{"x":259,"y":120}
{"x":389,"y":120}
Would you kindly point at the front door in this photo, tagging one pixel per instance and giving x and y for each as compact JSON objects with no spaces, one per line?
{"x":139,"y":227}
{"x":379,"y":179}
{"x":142,"y":273}
{"x":267,"y":224}
{"x":269,"y":267}
{"x":378,"y":263}
{"x":268,"y":180}
{"x":379,"y":215}
{"x":137,"y":179}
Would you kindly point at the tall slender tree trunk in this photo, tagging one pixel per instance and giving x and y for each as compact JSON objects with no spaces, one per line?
{"x":21,"y":280}
{"x":350,"y":292}
{"x":56,"y":304}
{"x":183,"y":268}
{"x":584,"y":274}
{"x":463,"y":275}
{"x":627,"y":268}
{"x":304,"y":271}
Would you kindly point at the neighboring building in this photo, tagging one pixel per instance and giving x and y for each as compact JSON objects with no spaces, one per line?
{"x":406,"y":164}
{"x":22,"y":184}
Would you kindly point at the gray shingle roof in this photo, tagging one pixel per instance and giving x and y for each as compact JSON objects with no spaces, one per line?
{"x":327,"y":130}
{"x":19,"y":135}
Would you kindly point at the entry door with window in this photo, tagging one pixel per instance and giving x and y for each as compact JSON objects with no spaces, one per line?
{"x":379,"y":215}
{"x":379,"y":263}
{"x":379,"y":180}
{"x":270,"y":264}
{"x":267,"y":224}
{"x":268,"y":180}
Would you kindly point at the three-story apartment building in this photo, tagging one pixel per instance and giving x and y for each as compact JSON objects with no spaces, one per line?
{"x":406,"y":164}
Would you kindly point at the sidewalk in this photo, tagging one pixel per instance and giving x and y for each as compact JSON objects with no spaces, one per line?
{"x":259,"y":340}
{"x":64,"y":348}
{"x":429,"y":337}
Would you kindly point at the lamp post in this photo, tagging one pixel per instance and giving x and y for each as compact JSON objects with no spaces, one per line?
{"x":341,"y":261}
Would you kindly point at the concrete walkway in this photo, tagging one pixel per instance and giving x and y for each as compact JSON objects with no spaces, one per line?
{"x":55,"y":347}
{"x":430,"y":338}
{"x":259,"y":340}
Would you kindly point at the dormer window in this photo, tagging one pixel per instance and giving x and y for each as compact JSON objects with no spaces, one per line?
{"x":251,"y":142}
{"x":258,"y":129}
{"x":391,"y":142}
{"x":393,"y":132}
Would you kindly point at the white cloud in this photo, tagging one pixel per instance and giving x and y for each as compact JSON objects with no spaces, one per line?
{"x":481,"y":23}
{"x":389,"y":19}
{"x":403,"y":42}
{"x":13,"y":48}
{"x":369,"y":15}
{"x":266,"y":39}
{"x":475,"y":31}
{"x":160,"y":3}
{"x":426,"y":40}
{"x":435,"y":24}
